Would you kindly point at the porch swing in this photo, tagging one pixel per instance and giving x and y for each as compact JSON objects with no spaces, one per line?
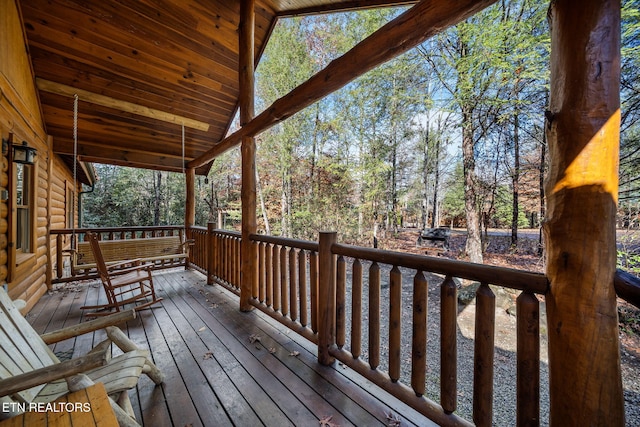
{"x":123,"y":266}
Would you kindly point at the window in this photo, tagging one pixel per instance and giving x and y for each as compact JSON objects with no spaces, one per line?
{"x":24,"y":208}
{"x":69,"y":205}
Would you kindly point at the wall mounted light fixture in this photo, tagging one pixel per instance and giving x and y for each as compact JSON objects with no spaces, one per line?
{"x":23,"y":153}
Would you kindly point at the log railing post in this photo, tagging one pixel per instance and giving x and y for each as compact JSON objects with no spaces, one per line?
{"x":326,"y":297}
{"x":528,"y":364}
{"x":211,"y":256}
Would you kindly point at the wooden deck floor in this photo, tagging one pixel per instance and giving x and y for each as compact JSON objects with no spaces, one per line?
{"x":214,"y":375}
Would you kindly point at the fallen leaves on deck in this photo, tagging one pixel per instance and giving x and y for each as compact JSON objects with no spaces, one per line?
{"x":208,"y":355}
{"x":294,"y":353}
{"x":393,"y":420}
{"x":326,"y":422}
{"x":254,"y":338}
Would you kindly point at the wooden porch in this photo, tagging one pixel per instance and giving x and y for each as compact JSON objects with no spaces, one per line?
{"x":215,"y":375}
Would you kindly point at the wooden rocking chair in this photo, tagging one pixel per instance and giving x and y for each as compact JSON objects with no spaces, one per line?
{"x":31,"y":373}
{"x":124,"y":282}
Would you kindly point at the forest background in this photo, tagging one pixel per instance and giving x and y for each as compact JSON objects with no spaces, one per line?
{"x":449,"y":134}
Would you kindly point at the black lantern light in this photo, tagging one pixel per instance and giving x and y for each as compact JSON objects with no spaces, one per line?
{"x":23,"y":153}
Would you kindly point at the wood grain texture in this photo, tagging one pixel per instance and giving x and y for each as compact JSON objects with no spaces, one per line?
{"x":583,"y":137}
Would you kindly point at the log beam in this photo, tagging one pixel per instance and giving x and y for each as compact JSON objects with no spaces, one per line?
{"x":408,"y":30}
{"x":248,"y":251}
{"x":118,"y":104}
{"x":583,"y":133}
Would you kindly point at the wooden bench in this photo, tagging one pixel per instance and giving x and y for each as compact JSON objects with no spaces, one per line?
{"x":162,"y":252}
{"x":434,"y":239}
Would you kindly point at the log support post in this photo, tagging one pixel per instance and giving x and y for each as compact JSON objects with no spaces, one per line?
{"x":583,"y":131}
{"x":211,"y":253}
{"x":327,"y":272}
{"x":248,"y":251}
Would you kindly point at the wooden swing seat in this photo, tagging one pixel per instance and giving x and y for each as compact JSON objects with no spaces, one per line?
{"x":161,"y":252}
{"x":126,"y":282}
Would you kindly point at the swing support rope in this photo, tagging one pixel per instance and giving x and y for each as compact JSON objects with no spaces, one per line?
{"x":75,"y":171}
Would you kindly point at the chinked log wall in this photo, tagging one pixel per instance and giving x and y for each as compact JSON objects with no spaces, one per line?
{"x":304,"y":286}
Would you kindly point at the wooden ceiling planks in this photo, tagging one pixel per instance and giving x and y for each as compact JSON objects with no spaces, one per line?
{"x":179,"y":57}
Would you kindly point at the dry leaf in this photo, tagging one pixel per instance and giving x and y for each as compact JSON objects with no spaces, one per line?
{"x":294,"y":353}
{"x":254,"y":338}
{"x":202,"y":329}
{"x":272,"y":350}
{"x":208,"y":355}
{"x":326,"y":422}
{"x":393,"y":420}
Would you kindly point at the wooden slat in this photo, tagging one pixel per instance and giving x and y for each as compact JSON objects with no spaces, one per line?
{"x":419,"y":334}
{"x":483,"y":356}
{"x":528,"y":354}
{"x":302,"y":279}
{"x":293,"y":286}
{"x":448,"y":345}
{"x":374,"y":315}
{"x":356,"y":308}
{"x":341,"y":297}
{"x":395,"y":318}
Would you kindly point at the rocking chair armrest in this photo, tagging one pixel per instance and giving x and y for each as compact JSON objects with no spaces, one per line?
{"x":86,"y":327}
{"x":51,"y":373}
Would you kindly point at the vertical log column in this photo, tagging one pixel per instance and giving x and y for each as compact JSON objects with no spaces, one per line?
{"x":582,"y":186}
{"x":327,"y":273}
{"x":248,"y":251}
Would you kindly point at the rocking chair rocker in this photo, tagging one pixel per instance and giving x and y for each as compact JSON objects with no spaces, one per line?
{"x":124,"y":283}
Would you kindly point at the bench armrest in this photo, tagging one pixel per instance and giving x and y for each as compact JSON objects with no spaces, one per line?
{"x":86,"y":327}
{"x":189,"y":242}
{"x":51,"y":373}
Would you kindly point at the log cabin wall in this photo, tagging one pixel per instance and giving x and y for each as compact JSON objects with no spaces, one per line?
{"x":63,"y":193}
{"x":21,"y":119}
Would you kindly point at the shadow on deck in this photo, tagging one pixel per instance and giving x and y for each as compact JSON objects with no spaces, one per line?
{"x":215,"y":374}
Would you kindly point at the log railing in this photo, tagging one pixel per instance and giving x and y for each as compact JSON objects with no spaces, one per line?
{"x":66,"y":238}
{"x":333,"y":295}
{"x":199,"y":255}
{"x":378,"y":336}
{"x":319,"y":289}
{"x":287,"y":285}
{"x":224,"y":262}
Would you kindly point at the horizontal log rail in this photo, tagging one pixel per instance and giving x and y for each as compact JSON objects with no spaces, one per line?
{"x":500,"y":276}
{"x":67,"y":238}
{"x":627,"y":287}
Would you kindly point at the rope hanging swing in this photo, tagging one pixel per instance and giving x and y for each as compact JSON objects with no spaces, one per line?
{"x":184,"y":175}
{"x":75,"y":170}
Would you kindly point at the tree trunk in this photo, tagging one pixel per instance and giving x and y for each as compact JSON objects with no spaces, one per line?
{"x":583,"y":134}
{"x":516,"y":175}
{"x":543,"y":161}
{"x":436,"y":182}
{"x":473,"y":246}
{"x":158,"y":199}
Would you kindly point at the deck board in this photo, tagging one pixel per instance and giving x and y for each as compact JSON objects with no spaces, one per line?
{"x":214,"y":375}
